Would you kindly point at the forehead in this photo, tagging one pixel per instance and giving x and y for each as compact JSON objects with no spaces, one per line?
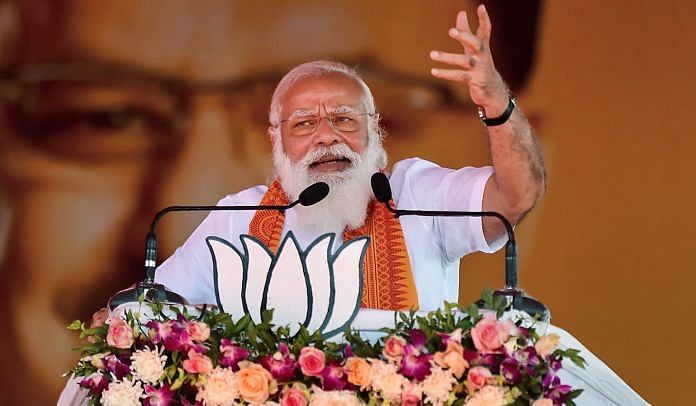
{"x":219,"y":39}
{"x":326,"y":91}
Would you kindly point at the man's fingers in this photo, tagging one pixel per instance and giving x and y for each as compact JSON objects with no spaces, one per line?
{"x":469,"y":41}
{"x":463,"y":61}
{"x":462,"y":22}
{"x":456,"y":75}
{"x":484,"y":29}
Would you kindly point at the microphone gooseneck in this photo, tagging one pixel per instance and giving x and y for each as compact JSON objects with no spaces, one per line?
{"x":153,"y":291}
{"x":382,"y":191}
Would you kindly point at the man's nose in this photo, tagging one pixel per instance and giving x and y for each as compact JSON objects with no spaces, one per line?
{"x":326,"y":134}
{"x":214,"y":159}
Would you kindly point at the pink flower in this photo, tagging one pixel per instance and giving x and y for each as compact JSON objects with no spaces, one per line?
{"x":197,"y":363}
{"x":478,"y":377}
{"x":198,"y":331}
{"x":489,"y":334}
{"x":99,"y":317}
{"x":120,"y":334}
{"x":394,"y":348}
{"x":311,"y":361}
{"x":412,"y":395}
{"x":293,"y":397}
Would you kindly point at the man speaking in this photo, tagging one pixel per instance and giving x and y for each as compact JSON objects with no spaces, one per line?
{"x":324,"y":126}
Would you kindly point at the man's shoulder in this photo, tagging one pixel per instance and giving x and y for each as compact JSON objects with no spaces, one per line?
{"x":409,"y":166}
{"x":250,"y":196}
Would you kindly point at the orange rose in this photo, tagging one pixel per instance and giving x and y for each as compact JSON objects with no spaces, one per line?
{"x":452,"y":358}
{"x":358,"y":371}
{"x":546,"y":344}
{"x":254,"y":383}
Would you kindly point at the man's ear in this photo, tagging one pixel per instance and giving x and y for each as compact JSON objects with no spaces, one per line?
{"x":271,"y":135}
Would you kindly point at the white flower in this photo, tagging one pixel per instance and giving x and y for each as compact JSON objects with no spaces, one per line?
{"x":333,"y":398}
{"x":219,"y":388}
{"x":488,"y":396}
{"x":122,"y":393}
{"x":438,"y":385}
{"x":386,"y":380}
{"x":148,"y":365}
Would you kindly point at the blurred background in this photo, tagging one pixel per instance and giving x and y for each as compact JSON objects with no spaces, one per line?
{"x":112,"y":110}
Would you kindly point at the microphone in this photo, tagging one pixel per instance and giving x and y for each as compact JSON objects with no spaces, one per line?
{"x":152,"y":291}
{"x":515,"y":296}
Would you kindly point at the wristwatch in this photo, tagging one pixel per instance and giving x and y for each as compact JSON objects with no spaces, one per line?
{"x":492,"y":122}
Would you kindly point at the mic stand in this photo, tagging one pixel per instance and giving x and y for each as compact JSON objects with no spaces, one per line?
{"x":514,"y":296}
{"x":152,"y":291}
{"x":148,"y":288}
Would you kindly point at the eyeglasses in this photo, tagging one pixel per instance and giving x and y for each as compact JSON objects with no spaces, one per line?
{"x":342,"y":122}
{"x":96,"y":111}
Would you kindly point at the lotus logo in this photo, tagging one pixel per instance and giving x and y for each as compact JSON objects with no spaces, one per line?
{"x":314,"y":287}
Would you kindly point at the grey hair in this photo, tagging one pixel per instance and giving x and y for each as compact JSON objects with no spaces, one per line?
{"x":316,"y":68}
{"x":320,"y":68}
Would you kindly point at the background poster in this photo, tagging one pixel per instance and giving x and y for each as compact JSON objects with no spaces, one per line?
{"x":112,"y":110}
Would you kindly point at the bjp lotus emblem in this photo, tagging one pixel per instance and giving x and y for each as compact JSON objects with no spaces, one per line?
{"x":313,"y":287}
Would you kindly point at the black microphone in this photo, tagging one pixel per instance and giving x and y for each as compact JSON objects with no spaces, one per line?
{"x":152,"y":291}
{"x":515,"y":295}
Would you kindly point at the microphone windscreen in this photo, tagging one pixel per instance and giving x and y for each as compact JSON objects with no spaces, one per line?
{"x":313,"y":194}
{"x":381,"y":187}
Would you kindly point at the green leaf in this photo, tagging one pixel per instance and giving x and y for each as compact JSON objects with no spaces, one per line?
{"x":76,"y":325}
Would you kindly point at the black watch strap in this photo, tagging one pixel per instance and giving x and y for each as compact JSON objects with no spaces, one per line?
{"x":492,"y":122}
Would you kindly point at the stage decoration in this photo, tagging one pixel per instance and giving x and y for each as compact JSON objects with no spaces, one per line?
{"x":157,"y":354}
{"x":319,"y":288}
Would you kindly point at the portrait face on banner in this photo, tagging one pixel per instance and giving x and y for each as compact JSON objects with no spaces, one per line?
{"x":111,"y":111}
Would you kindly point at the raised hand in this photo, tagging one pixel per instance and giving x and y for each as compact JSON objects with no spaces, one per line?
{"x":475,"y":66}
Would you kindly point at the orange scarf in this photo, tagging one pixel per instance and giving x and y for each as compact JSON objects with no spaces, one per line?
{"x":387,"y":278}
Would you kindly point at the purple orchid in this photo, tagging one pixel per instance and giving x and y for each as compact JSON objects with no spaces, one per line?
{"x":117,"y":366}
{"x":333,"y":377}
{"x":348,"y":351}
{"x":96,"y":383}
{"x":417,"y":339}
{"x":455,"y":336}
{"x":414,"y":364}
{"x":558,"y":394}
{"x":230,"y":354}
{"x":159,"y":331}
{"x":555,"y":364}
{"x":527,"y":358}
{"x":281,"y":364}
{"x":510,"y":370}
{"x":163,"y":396}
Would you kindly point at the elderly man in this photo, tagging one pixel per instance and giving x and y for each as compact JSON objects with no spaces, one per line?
{"x":324,"y":126}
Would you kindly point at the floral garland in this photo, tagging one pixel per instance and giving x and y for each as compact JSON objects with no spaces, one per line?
{"x":445,"y":358}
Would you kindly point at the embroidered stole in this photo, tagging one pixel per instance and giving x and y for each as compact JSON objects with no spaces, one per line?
{"x":387,"y":278}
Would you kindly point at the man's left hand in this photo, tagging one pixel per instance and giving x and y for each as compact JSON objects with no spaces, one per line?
{"x":475,"y":66}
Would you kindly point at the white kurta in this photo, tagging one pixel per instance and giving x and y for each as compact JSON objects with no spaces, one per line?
{"x":435,"y":244}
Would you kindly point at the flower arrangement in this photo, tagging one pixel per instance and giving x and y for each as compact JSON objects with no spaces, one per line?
{"x":445,"y":358}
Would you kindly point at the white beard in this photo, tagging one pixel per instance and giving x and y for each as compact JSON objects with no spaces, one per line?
{"x":350,"y":190}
